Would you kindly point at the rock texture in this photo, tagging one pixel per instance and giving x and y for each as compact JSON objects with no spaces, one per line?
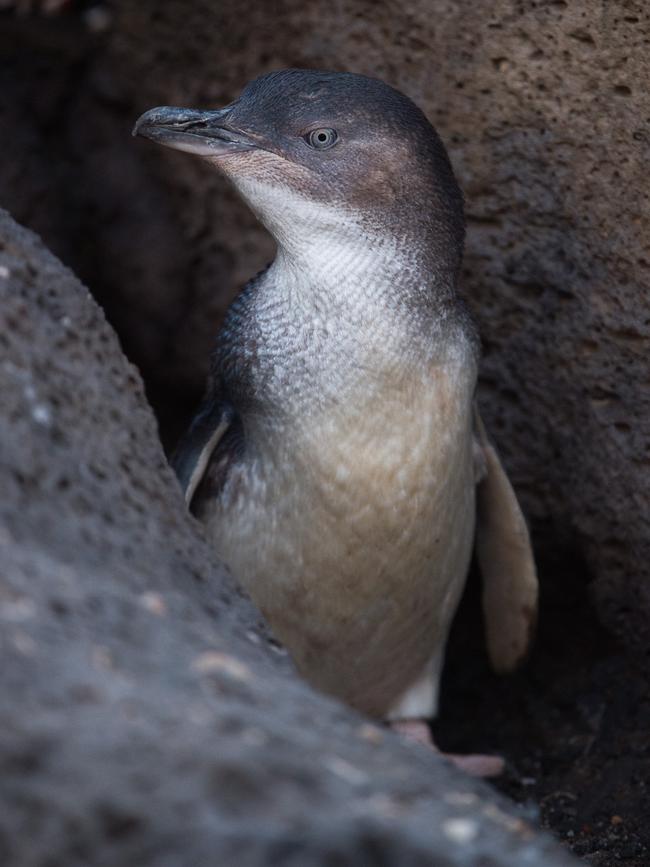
{"x":145,"y":718}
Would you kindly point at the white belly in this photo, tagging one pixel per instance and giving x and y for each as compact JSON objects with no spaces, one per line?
{"x":353,"y":533}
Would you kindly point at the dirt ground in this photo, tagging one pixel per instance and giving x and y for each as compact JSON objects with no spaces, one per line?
{"x":573,"y":724}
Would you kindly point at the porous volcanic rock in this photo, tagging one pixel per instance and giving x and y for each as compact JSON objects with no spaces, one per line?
{"x":145,"y":719}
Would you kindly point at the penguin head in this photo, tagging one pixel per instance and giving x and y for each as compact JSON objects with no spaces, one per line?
{"x":333,"y":153}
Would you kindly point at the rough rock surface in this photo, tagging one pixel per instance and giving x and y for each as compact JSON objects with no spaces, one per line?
{"x":144,"y":719}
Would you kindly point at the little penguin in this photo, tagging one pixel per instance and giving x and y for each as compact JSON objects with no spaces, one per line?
{"x":338,"y":461}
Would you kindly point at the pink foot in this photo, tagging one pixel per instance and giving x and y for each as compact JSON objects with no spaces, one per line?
{"x":474,"y":764}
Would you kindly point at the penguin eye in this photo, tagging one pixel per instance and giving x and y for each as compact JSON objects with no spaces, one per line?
{"x":321,"y":139}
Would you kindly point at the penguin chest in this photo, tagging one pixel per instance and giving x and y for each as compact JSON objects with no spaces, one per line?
{"x":353,"y":531}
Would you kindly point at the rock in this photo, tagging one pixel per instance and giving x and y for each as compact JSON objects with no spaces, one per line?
{"x":146,"y":719}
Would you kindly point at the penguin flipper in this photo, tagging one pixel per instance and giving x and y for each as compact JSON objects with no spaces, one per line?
{"x":192,"y":455}
{"x":505,"y":557}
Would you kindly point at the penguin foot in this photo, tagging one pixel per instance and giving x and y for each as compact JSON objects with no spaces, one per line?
{"x":475,"y":765}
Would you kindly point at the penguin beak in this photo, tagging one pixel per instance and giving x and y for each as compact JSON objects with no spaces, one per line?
{"x":205,"y":133}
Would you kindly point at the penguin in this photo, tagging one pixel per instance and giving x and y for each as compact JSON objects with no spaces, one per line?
{"x":339,"y":462}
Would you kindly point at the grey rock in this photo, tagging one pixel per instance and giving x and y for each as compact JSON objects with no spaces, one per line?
{"x":145,"y":717}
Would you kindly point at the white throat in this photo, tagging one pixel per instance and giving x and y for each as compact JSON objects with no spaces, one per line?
{"x":326,"y":244}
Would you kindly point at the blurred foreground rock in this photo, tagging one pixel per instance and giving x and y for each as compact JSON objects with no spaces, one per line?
{"x":144,"y":717}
